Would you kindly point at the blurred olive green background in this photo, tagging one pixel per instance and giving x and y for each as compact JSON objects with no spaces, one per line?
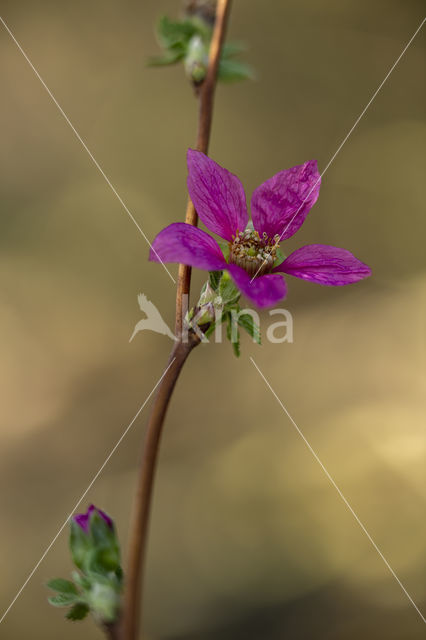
{"x":249,"y":540}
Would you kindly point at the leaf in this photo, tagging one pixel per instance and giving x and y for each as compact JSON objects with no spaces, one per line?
{"x":233,"y":334}
{"x":171,"y":56}
{"x":62,"y":586}
{"x":63,"y":599}
{"x":170,"y":32}
{"x":78,"y":612}
{"x":231,"y":49}
{"x":236,"y":345}
{"x":81,"y":580}
{"x":227,"y":290}
{"x":228,"y":319}
{"x":234,"y":71}
{"x":214,"y":278}
{"x":247,"y":322}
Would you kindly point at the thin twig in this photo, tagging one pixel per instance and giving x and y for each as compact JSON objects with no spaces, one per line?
{"x":130,"y":620}
{"x":207,"y":92}
{"x":139,"y":530}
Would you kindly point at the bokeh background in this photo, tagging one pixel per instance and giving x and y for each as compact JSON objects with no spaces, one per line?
{"x":249,"y":540}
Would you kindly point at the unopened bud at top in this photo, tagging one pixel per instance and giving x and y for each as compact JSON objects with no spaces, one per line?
{"x":83,"y":519}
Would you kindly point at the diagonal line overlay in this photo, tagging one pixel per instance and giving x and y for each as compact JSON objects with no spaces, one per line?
{"x":345,"y":139}
{"x":338,"y":490}
{"x":86,"y":148}
{"x":92,"y":482}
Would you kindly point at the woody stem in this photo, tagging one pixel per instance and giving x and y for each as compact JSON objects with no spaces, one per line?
{"x":131,"y":616}
{"x":206,"y":103}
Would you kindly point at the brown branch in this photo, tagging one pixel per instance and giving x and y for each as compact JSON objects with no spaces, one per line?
{"x":206,"y":94}
{"x":130,"y":620}
{"x":139,"y":529}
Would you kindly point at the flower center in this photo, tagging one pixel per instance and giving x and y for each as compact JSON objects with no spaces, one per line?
{"x":253,"y":253}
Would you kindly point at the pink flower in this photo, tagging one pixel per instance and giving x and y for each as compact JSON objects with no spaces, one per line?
{"x":279,"y":207}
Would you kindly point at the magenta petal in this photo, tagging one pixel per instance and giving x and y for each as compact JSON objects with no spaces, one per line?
{"x":83,"y":519}
{"x":264,"y":291}
{"x":181,"y":242}
{"x":217,"y":194}
{"x":325,"y":265}
{"x":281,"y":204}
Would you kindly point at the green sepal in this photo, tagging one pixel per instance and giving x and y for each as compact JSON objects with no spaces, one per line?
{"x":81,"y":580}
{"x":80,"y":544}
{"x":105,"y":559}
{"x":63,"y":599}
{"x":62,"y":586}
{"x":214,"y":279}
{"x":247,"y":322}
{"x":105,"y":552}
{"x":78,"y":612}
{"x":101,"y":531}
{"x":280,"y":256}
{"x":227,"y":290}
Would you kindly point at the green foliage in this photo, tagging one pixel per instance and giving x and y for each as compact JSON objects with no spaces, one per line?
{"x":214,"y":279}
{"x":78,"y":612}
{"x":62,"y":586}
{"x":175,"y":32}
{"x":171,"y":56}
{"x":97,"y":585}
{"x":62,"y":599}
{"x":233,"y":334}
{"x":229,"y":311}
{"x":280,"y":256}
{"x":247,"y":322}
{"x":188,"y":41}
{"x":79,"y":544}
{"x":234,"y":71}
{"x":227,"y":290}
{"x":231,"y":49}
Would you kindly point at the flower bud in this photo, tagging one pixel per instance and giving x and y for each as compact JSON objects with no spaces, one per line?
{"x":83,"y":519}
{"x":93,"y":542}
{"x":97,"y":586}
{"x":196,"y":60}
{"x":209,"y":306}
{"x":206,"y":314}
{"x":208,"y":294}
